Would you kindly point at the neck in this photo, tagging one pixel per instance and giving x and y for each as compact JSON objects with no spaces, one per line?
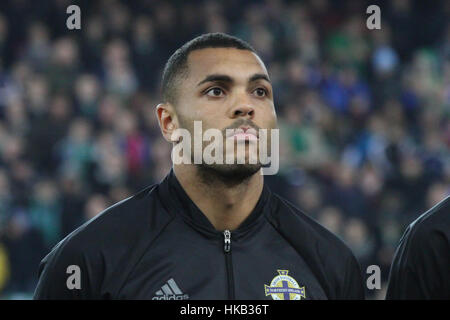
{"x":225,"y":203}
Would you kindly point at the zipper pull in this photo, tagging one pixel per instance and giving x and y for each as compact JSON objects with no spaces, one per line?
{"x":227,"y":240}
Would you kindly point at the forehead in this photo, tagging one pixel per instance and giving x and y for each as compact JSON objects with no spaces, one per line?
{"x":230,"y":61}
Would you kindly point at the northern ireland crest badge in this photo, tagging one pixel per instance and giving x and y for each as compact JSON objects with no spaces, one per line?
{"x":284,"y":287}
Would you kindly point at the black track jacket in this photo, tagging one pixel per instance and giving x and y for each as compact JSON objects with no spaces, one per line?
{"x":421,"y":266}
{"x":158,"y":245}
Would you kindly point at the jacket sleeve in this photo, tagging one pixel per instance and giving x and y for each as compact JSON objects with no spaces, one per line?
{"x":353,"y":286}
{"x":66,"y":273}
{"x":420,"y":269}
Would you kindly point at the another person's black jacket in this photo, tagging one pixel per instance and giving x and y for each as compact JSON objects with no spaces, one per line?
{"x":421,"y":266}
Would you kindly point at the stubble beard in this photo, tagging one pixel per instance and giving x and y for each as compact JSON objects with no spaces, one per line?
{"x":228,"y":174}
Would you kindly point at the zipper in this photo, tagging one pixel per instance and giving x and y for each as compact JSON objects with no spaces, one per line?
{"x":228,"y":263}
{"x":227,"y":241}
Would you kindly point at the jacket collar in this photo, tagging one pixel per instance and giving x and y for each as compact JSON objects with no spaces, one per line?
{"x":178,"y":202}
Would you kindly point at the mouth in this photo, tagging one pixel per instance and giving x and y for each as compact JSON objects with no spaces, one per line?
{"x":243,"y":134}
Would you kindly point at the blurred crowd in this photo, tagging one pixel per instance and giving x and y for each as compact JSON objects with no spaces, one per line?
{"x":364,"y":114}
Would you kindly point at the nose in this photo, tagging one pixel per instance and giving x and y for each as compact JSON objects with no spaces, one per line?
{"x":242,"y":108}
{"x":243,"y":111}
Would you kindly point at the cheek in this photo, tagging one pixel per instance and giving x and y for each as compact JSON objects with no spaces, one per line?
{"x":274,"y":121}
{"x":194,"y":110}
{"x":208,"y":115}
{"x":273,"y":117}
{"x":269,"y":118}
{"x":197,"y":121}
{"x":187,"y":116}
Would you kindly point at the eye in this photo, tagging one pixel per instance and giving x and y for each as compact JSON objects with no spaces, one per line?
{"x":215,"y":92}
{"x":260,"y":92}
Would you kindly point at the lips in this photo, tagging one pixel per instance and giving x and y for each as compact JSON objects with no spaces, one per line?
{"x":243,"y":133}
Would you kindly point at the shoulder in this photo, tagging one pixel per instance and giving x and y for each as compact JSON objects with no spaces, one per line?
{"x":120,"y":224}
{"x":433,"y":221}
{"x":429,"y":230}
{"x":105,"y":247}
{"x":291,"y":219}
{"x":331,"y":259}
{"x":423,"y":254}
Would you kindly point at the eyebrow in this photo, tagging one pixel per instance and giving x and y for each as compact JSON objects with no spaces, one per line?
{"x":225,"y":78}
{"x":259,"y":76}
{"x":216,"y":78}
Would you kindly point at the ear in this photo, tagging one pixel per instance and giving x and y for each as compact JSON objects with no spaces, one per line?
{"x":167,"y":120}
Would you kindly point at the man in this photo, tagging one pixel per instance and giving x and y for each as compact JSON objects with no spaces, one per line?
{"x":207,"y":231}
{"x":421,"y":266}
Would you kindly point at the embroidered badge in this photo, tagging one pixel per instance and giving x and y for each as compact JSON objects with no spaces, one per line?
{"x":284,"y":287}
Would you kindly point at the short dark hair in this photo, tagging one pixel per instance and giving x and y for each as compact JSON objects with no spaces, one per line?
{"x":176,"y":66}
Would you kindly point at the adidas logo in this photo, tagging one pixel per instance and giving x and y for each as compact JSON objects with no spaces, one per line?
{"x":170,"y":291}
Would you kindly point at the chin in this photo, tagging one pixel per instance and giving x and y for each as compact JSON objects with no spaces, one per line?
{"x":229,"y":173}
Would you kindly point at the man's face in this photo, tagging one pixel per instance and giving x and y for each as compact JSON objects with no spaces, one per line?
{"x":227,"y":88}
